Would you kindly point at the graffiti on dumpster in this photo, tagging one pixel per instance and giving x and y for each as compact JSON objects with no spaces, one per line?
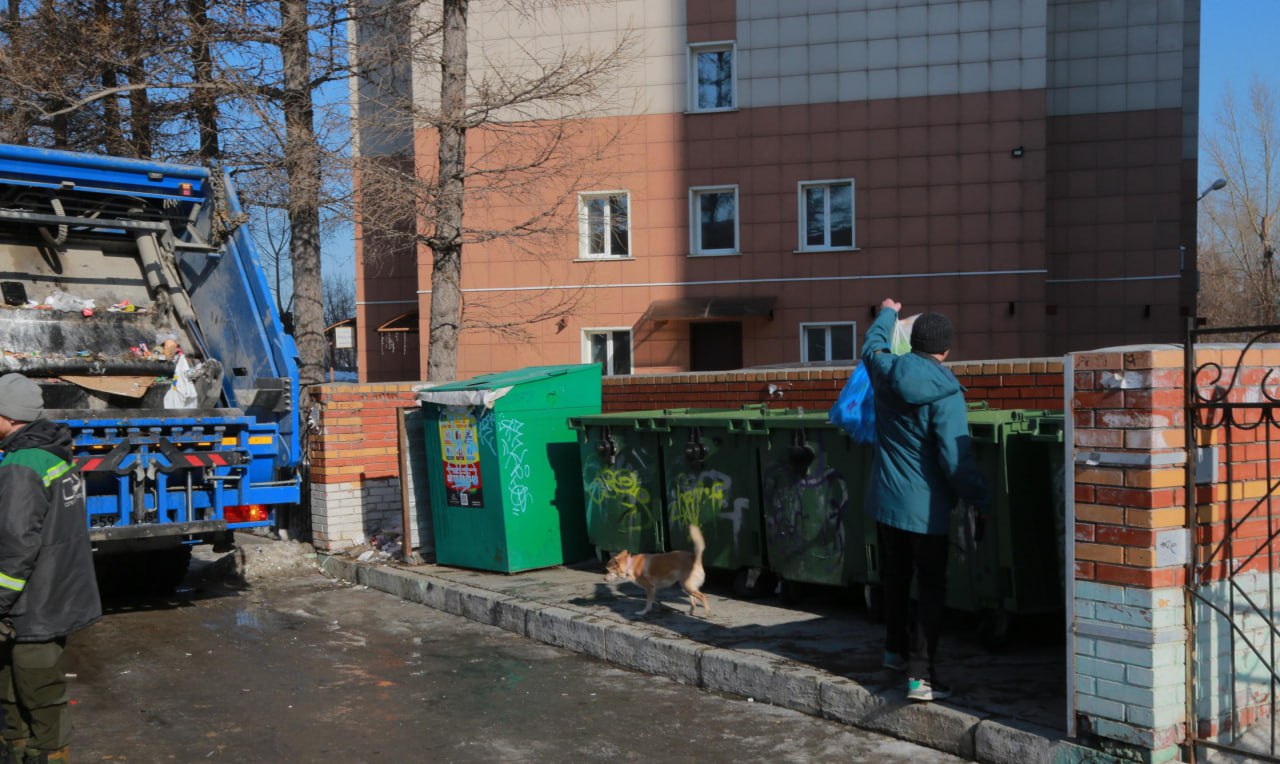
{"x":618,"y":494}
{"x":460,"y":452}
{"x":698,"y":496}
{"x":805,"y":515}
{"x":515,"y":462}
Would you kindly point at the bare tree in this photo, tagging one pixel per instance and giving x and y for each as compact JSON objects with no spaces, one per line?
{"x":503,"y":133}
{"x":1238,"y":279}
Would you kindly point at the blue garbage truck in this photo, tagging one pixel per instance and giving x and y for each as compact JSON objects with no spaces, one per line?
{"x":134,"y":296}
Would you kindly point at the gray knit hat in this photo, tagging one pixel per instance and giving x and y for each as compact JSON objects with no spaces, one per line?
{"x":931,"y":333}
{"x":20,"y":398}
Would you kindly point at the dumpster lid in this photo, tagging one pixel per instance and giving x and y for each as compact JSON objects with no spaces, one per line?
{"x":688,"y":308}
{"x":484,"y":398}
{"x":487,"y":389}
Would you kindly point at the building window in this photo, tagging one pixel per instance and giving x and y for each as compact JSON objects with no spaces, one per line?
{"x":713,"y":82}
{"x":826,"y":215}
{"x":611,"y":348}
{"x":604,"y":224}
{"x":713,"y":215}
{"x":827,"y":342}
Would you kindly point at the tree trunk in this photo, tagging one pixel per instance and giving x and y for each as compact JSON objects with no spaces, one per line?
{"x":140,"y":128}
{"x":302,"y":165}
{"x":113,"y":127}
{"x":446,"y":244}
{"x":203,"y":99}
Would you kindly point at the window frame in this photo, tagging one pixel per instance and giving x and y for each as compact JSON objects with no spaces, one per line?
{"x":805,"y":326}
{"x":695,"y":221}
{"x":801,"y":230}
{"x":584,"y":234}
{"x":691,"y":72}
{"x":609,"y":330}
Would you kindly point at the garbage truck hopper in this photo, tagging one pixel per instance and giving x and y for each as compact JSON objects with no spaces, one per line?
{"x":132,"y":293}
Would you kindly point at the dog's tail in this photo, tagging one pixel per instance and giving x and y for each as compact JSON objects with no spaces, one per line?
{"x":699,"y":544}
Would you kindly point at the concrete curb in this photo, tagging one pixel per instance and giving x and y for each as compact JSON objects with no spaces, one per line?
{"x":771,"y":680}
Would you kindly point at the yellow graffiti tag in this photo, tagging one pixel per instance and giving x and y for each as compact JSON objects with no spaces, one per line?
{"x":693,"y":496}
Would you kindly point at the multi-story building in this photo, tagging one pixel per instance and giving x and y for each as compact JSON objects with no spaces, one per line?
{"x":775,"y":168}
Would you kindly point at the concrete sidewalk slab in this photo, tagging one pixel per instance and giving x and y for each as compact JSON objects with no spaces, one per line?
{"x":821,"y":658}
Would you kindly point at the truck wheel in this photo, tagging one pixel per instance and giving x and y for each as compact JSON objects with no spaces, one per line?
{"x":167,"y":568}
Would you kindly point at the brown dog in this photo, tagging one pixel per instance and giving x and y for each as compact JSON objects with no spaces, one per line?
{"x":658,"y":571}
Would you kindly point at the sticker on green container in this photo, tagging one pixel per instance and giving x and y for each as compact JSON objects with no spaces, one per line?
{"x":460,"y":447}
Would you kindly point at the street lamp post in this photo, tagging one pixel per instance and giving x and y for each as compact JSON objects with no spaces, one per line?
{"x":1216,"y":185}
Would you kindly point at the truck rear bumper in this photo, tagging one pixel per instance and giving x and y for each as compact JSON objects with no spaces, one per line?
{"x":156,"y":531}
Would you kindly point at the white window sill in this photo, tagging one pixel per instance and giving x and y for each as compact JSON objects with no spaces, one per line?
{"x":689,"y":112}
{"x":813,"y":250}
{"x":603,"y":259}
{"x":715,"y":254}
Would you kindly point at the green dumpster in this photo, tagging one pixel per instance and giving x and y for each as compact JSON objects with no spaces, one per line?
{"x":504,"y":473}
{"x":814,"y":480}
{"x":1017,"y":568}
{"x":622,"y":479}
{"x":712,"y":478}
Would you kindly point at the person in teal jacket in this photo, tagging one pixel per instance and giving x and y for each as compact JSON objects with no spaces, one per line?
{"x":923,"y":467}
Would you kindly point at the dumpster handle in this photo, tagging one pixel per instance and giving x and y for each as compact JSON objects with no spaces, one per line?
{"x":652,"y":425}
{"x":746,"y":427}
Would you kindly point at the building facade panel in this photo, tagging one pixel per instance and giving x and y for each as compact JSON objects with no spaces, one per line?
{"x":1023,"y":165}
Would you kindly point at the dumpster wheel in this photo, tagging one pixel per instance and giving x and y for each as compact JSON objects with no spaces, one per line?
{"x":792,"y":593}
{"x":750,"y":583}
{"x":993,"y":629}
{"x":873,"y":598}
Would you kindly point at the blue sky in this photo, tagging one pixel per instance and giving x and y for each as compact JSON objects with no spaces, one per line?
{"x":1237,"y":44}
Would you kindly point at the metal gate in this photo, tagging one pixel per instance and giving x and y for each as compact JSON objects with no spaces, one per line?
{"x":1232,"y":433}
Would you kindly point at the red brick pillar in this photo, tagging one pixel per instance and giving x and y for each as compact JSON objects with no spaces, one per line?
{"x":1131,"y":547}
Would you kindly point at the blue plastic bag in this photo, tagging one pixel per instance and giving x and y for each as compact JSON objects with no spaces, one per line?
{"x":855,"y":409}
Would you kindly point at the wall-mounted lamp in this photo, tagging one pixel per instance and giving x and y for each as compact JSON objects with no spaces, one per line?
{"x":1017,"y":152}
{"x":1011,"y":308}
{"x":1146,"y":311}
{"x":874,"y":310}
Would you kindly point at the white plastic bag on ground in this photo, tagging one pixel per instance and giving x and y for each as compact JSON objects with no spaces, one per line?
{"x":182,"y":395}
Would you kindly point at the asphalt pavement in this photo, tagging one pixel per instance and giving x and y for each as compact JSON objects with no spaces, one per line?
{"x":821,"y":657}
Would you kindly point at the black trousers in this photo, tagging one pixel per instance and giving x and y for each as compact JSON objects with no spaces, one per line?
{"x":915,"y":635}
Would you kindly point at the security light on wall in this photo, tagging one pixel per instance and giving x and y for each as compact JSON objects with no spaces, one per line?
{"x":1017,"y":152}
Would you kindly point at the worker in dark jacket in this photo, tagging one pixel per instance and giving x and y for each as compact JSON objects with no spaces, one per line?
{"x":922,"y":466}
{"x":47,"y":584}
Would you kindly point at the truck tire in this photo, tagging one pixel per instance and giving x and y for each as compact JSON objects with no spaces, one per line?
{"x":167,"y":568}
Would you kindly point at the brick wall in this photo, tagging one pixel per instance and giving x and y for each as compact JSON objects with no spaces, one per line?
{"x":1132,"y":546}
{"x":355,"y":463}
{"x":1022,"y":383}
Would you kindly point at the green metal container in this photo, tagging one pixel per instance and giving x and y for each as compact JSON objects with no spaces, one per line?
{"x":622,"y":479}
{"x":505,"y":477}
{"x":1017,"y":569}
{"x":712,"y":478}
{"x":814,"y":480}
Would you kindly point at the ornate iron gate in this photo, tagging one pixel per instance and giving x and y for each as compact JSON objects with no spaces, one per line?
{"x":1232,"y":414}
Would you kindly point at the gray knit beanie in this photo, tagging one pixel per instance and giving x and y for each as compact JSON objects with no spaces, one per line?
{"x":20,"y":398}
{"x":931,"y":333}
